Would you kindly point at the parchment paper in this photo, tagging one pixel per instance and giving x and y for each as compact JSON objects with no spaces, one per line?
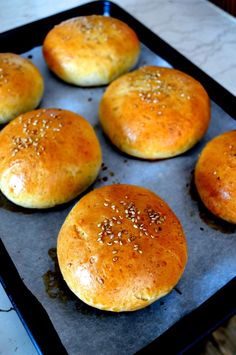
{"x":29,"y":235}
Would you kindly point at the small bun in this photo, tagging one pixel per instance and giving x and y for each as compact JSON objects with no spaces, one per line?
{"x":155,"y":113}
{"x":21,"y":86}
{"x":215,"y":176}
{"x":47,"y":157}
{"x":91,"y":50}
{"x":121,"y":248}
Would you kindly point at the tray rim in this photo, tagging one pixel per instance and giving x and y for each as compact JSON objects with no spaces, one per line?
{"x":222,"y":300}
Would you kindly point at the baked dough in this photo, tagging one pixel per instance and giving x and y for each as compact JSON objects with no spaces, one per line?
{"x":91,"y":50}
{"x":47,"y":157}
{"x":121,"y":248}
{"x":215,"y":176}
{"x":21,"y":86}
{"x":154,"y":112}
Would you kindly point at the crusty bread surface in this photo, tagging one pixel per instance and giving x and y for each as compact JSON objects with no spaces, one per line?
{"x":21,"y":86}
{"x":215,"y":176}
{"x":121,"y":248}
{"x":155,"y":113}
{"x":47,"y":157}
{"x":91,"y":50}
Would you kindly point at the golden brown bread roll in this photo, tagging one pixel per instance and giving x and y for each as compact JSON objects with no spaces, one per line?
{"x":155,"y":112}
{"x":215,"y":176}
{"x":21,"y":86}
{"x":121,"y":248}
{"x":47,"y":157}
{"x":91,"y":50}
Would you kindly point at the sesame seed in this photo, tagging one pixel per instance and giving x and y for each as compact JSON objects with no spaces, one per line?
{"x":100,"y":280}
{"x":114,"y":251}
{"x":106,"y":204}
{"x":115,"y":258}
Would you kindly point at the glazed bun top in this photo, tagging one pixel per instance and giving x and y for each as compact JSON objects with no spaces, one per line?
{"x":121,"y":248}
{"x":215,"y":176}
{"x":154,"y":112}
{"x":21,"y":86}
{"x":47,"y":157}
{"x":91,"y":50}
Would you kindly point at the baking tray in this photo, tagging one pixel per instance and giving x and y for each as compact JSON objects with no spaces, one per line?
{"x":139,"y":332}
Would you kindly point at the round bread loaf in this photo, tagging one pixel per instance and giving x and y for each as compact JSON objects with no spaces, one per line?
{"x":215,"y":176}
{"x":91,"y":50}
{"x":47,"y":157}
{"x":121,"y":248}
{"x":21,"y":86}
{"x":154,"y":112}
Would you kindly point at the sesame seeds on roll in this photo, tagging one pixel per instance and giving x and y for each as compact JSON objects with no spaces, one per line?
{"x":47,"y":157}
{"x":91,"y":50}
{"x":154,"y":112}
{"x":121,"y":248}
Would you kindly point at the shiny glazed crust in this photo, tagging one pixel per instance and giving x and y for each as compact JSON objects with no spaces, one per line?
{"x":215,"y":176}
{"x":47,"y":157}
{"x":21,"y":86}
{"x":91,"y":50}
{"x":154,"y":112}
{"x":121,"y":248}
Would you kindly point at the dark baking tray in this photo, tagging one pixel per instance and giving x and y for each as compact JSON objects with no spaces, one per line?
{"x":204,"y":319}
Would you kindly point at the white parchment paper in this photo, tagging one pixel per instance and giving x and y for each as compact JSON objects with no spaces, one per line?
{"x":29,"y":235}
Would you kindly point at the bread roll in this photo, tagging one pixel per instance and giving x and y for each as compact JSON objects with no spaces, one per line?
{"x":91,"y":50}
{"x":121,"y":248}
{"x":21,"y":86}
{"x":215,"y":176}
{"x":154,"y":112}
{"x":47,"y":157}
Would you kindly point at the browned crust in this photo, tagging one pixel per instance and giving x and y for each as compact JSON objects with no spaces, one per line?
{"x":21,"y":86}
{"x":121,"y":248}
{"x":215,"y":176}
{"x":155,"y":112}
{"x":91,"y":50}
{"x":47,"y":157}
